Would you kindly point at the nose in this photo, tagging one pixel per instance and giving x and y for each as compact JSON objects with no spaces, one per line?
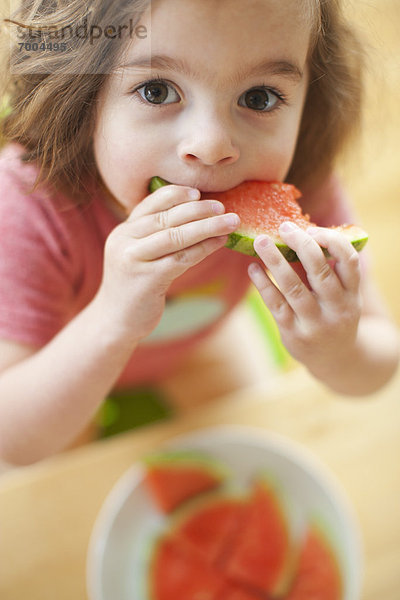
{"x":208,"y":141}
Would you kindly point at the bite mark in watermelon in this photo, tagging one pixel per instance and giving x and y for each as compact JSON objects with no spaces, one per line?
{"x":262,"y":555}
{"x":174,"y":477}
{"x":262,"y":207}
{"x":318,"y":576}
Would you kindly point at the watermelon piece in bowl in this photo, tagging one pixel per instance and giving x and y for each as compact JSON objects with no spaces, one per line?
{"x":208,"y":526}
{"x":178,"y":574}
{"x":174,"y":477}
{"x":317,"y":574}
{"x":262,"y":207}
{"x":235,"y":592}
{"x":262,"y":556}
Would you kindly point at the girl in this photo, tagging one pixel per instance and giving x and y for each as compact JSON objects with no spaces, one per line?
{"x":205,"y":94}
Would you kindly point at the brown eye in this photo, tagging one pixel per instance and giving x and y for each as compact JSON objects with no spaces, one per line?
{"x":261,"y":99}
{"x":158,"y":92}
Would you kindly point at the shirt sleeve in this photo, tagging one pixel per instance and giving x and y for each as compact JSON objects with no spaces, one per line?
{"x":36,"y":273}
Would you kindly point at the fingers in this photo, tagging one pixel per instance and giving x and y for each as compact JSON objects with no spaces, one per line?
{"x":163,"y":199}
{"x":298,"y":296}
{"x":177,"y":263}
{"x":327,"y":282}
{"x":320,"y":275}
{"x":273,"y":298}
{"x":347,"y":265}
{"x":175,"y":230}
{"x":176,"y":239}
{"x":174,"y":217}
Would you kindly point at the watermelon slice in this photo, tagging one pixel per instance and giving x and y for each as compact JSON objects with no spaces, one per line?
{"x":225,"y":547}
{"x":318,"y":575}
{"x":262,"y":556}
{"x":234,"y":592}
{"x":174,"y":477}
{"x":177,"y":574}
{"x":210,"y":527}
{"x":262,"y":206}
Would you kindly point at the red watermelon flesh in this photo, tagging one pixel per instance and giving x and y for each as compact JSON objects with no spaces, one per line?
{"x":234,"y":592}
{"x":212,"y":528}
{"x":176,"y":478}
{"x":318,"y":575}
{"x":263,"y":206}
{"x":179,"y":575}
{"x":262,"y":556}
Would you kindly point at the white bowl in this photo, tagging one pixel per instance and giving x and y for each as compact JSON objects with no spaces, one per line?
{"x":128,"y":519}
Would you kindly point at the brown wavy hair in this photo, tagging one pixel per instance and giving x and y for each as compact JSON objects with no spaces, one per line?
{"x":52,"y":95}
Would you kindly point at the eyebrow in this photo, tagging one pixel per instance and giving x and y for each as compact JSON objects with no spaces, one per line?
{"x":284,"y":68}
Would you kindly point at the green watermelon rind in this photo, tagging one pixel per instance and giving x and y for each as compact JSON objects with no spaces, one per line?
{"x":148,"y":583}
{"x":187,"y":458}
{"x":145,"y":585}
{"x":203,"y":501}
{"x":322,"y":528}
{"x":244,"y":243}
{"x":156,"y":183}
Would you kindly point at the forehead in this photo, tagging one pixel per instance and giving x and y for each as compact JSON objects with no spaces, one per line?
{"x":229,"y":31}
{"x":193,"y":14}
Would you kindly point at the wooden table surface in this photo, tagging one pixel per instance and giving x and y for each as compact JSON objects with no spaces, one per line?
{"x":48,"y":510}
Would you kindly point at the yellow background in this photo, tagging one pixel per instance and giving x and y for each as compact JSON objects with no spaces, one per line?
{"x":372,"y":171}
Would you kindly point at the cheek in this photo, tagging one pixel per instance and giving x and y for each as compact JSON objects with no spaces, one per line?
{"x":272,"y":147}
{"x":285,"y":145}
{"x":121,"y":163}
{"x":273,"y":158}
{"x":285,"y":154}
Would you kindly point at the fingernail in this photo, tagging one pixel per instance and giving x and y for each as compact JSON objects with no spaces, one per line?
{"x":232,"y":219}
{"x":288,"y":226}
{"x":194,"y":194}
{"x":218,"y":208}
{"x":254,"y":269}
{"x":264,"y":241}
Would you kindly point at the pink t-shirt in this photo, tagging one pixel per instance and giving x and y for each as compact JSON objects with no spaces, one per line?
{"x":51,"y":260}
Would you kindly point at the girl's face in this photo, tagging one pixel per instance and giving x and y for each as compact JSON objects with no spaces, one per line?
{"x":220,"y":102}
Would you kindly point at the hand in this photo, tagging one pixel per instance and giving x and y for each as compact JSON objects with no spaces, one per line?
{"x":165,"y":234}
{"x":318,"y":326}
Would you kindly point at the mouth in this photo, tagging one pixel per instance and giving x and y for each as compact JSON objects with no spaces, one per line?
{"x":209,"y":195}
{"x":207,"y":190}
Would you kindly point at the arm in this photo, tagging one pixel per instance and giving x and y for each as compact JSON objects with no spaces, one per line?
{"x":373,"y":359}
{"x":47,"y":396}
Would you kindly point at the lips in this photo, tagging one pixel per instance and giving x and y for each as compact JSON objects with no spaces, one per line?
{"x":207,"y":190}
